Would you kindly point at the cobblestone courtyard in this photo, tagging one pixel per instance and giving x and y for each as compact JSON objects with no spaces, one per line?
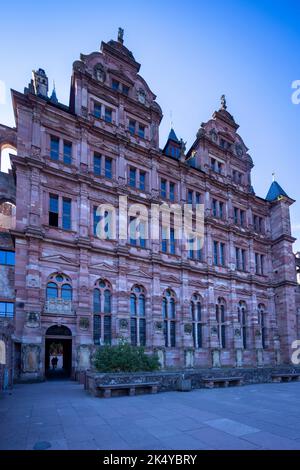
{"x":63,"y":414}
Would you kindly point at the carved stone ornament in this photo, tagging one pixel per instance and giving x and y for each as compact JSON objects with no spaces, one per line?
{"x":237,"y":333}
{"x":33,"y":320}
{"x":123,"y":323}
{"x":214,"y":330}
{"x":79,"y":66}
{"x":188,"y":328}
{"x":257,"y":333}
{"x":158,"y":325}
{"x":84,"y":323}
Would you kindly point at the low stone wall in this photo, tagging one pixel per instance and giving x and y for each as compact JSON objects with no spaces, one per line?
{"x":169,"y":380}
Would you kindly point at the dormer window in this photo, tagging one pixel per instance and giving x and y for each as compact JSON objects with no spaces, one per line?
{"x":131,"y":126}
{"x":237,"y":176}
{"x":125,"y":90}
{"x":108,"y":114}
{"x":115,"y":85}
{"x":216,"y":166}
{"x":97,"y":110}
{"x":141,"y":131}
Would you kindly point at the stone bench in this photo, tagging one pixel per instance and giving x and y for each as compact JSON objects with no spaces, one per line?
{"x":222,"y":381}
{"x":105,"y":391}
{"x":285,"y":377}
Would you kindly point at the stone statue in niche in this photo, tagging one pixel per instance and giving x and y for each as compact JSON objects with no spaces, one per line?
{"x":141,"y":96}
{"x":31,"y":357}
{"x":84,"y":357}
{"x":99,"y":73}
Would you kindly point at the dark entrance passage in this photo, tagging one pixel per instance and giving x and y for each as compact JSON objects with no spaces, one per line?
{"x":58,"y":352}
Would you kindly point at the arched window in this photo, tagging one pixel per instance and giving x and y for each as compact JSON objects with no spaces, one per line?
{"x":102,"y":312}
{"x":196,"y":314}
{"x":59,"y":287}
{"x":242,"y":317}
{"x":169,"y":317}
{"x":221,"y":324}
{"x":262,"y":324}
{"x":137,"y":316}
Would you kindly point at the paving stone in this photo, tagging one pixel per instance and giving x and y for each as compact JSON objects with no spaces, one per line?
{"x":231,"y":427}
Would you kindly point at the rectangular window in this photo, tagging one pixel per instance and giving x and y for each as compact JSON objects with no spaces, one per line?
{"x":164,"y":243}
{"x":242,"y":218}
{"x":107,"y":329}
{"x":108,"y":114}
{"x":236,"y":216}
{"x":142,"y":180}
{"x":237,"y":258}
{"x":7,"y":257}
{"x":132,"y":177}
{"x":172,"y":191}
{"x":216,"y":257}
{"x":262,"y":262}
{"x":143,"y":234}
{"x":222,"y":254}
{"x":163,"y":188}
{"x":133,"y":331}
{"x":131,"y":126}
{"x":125,"y":90}
{"x":6,"y":309}
{"x":172,"y":334}
{"x":198,"y":198}
{"x":53,"y":210}
{"x":96,"y":220}
{"x":97,"y":164}
{"x":220,"y":168}
{"x":132,"y":230}
{"x":66,"y":216}
{"x":54,"y":148}
{"x":190,"y":197}
{"x":108,"y":167}
{"x":67,"y":152}
{"x":213,"y":164}
{"x":243,"y":253}
{"x":221,"y":210}
{"x":115,"y":84}
{"x":97,"y":110}
{"x":172,"y":241}
{"x":141,"y":131}
{"x":97,"y":329}
{"x":215,"y":208}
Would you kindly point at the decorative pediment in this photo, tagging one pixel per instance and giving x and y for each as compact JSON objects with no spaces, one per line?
{"x":243,"y":292}
{"x":169,"y":279}
{"x":59,"y":259}
{"x":103,"y":267}
{"x":139,"y":273}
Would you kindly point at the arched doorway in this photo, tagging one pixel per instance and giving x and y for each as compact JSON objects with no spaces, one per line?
{"x":58,"y":352}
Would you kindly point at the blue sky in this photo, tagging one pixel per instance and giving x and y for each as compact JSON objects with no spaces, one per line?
{"x":191,"y":52}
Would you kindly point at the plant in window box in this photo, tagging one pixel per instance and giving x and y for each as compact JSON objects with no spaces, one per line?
{"x":188,"y":328}
{"x":84,"y":323}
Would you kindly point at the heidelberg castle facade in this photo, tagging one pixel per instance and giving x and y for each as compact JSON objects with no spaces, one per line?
{"x":230,"y":303}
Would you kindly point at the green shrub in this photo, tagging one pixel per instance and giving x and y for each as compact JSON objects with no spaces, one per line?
{"x":124,"y":358}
